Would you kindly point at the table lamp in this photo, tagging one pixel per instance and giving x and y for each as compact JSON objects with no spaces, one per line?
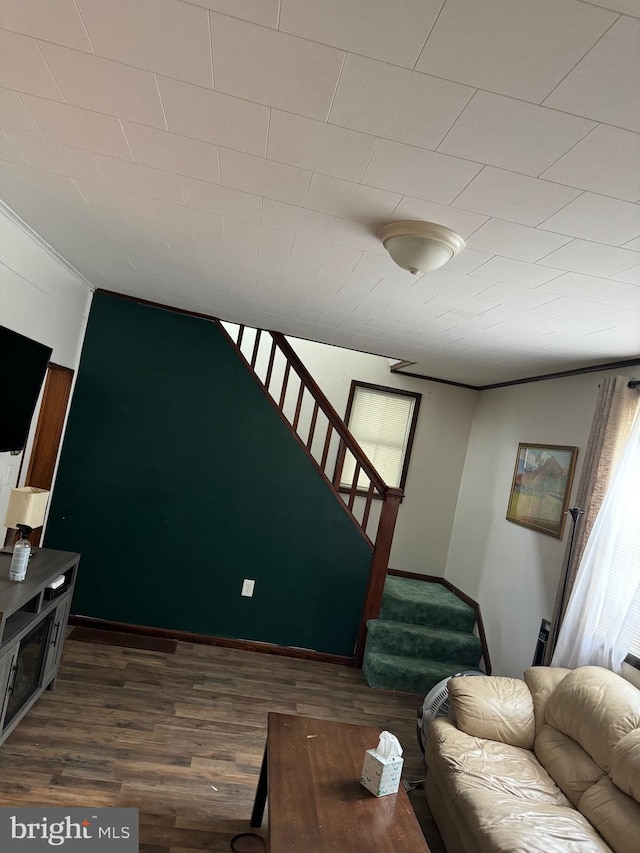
{"x":26,"y":510}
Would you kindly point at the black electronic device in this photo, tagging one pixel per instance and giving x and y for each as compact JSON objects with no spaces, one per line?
{"x":541,"y":645}
{"x":24,"y":364}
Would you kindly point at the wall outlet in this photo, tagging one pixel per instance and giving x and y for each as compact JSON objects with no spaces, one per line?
{"x":8,"y":475}
{"x":247,"y":588}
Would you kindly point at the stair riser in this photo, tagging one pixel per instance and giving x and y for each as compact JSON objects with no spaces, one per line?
{"x":431,"y":616}
{"x":405,"y":644}
{"x":420,"y":683}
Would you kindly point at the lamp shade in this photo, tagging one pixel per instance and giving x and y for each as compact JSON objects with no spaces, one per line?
{"x":420,"y":246}
{"x":27,"y":506}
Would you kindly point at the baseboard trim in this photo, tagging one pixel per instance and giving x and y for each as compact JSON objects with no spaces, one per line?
{"x":209,"y":640}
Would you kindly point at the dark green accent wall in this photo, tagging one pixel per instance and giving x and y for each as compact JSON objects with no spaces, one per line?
{"x":177,"y":479}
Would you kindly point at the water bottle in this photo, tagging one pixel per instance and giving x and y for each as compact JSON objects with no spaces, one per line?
{"x":20,"y":560}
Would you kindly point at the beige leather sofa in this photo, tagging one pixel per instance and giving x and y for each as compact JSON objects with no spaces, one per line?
{"x":551,"y":763}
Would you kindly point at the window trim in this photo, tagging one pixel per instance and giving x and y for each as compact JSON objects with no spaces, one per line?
{"x":398,"y":392}
{"x":632,"y":660}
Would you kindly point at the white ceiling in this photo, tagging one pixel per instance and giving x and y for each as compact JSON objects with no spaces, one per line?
{"x":236,"y":158}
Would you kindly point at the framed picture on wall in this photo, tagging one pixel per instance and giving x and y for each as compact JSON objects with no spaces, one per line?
{"x":541,"y":487}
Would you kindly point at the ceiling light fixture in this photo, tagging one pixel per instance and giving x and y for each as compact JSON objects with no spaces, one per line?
{"x":420,"y":246}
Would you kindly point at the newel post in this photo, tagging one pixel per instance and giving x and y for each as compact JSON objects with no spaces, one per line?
{"x":379,"y":565}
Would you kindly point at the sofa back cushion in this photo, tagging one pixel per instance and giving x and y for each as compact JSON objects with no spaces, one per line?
{"x":595,"y":708}
{"x":494,"y":707}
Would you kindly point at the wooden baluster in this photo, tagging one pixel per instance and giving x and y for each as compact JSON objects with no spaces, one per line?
{"x":285,"y":380}
{"x":367,"y":507}
{"x":296,"y":417}
{"x":256,"y":344}
{"x":379,"y":565}
{"x":327,"y":442}
{"x":354,"y":486}
{"x":272,"y":356}
{"x":240,"y":334}
{"x":312,"y":427}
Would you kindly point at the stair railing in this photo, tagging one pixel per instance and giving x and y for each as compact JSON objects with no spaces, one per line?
{"x":321,"y":432}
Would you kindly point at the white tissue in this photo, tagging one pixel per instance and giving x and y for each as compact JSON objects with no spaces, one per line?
{"x":388,"y":746}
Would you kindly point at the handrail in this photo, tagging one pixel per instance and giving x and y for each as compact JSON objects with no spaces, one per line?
{"x":334,"y":418}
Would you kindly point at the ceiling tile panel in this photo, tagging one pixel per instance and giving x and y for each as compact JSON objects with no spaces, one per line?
{"x":517,"y":272}
{"x":264,"y":12}
{"x":509,"y":196}
{"x":381,"y":99}
{"x":141,"y":179}
{"x":462,"y":221}
{"x":627,"y":7}
{"x":306,"y":223}
{"x":512,"y":47}
{"x":178,"y":220}
{"x":315,"y":145}
{"x":598,"y":218}
{"x":630,"y":300}
{"x":416,"y":172}
{"x":587,"y":287}
{"x":166,"y":36}
{"x":263,"y":177}
{"x":23,"y":68}
{"x":223,"y":200}
{"x":512,"y":294}
{"x":512,"y":134}
{"x":173,"y":152}
{"x":350,"y":201}
{"x":468,"y":261}
{"x":515,"y":241}
{"x":604,"y":85}
{"x":394,"y":32}
{"x":631,"y":275}
{"x":15,"y":116}
{"x":358,"y":235}
{"x":213,"y":117}
{"x":51,"y":20}
{"x":79,"y":128}
{"x":60,"y":159}
{"x":592,"y":258}
{"x":262,"y":65}
{"x":104,"y":86}
{"x":606,"y":161}
{"x":8,"y":152}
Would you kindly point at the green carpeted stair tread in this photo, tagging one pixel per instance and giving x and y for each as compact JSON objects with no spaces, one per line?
{"x":410,"y":675}
{"x":416,"y":641}
{"x":425,"y":603}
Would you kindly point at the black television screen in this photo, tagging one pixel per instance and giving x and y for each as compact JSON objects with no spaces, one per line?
{"x":23,"y":364}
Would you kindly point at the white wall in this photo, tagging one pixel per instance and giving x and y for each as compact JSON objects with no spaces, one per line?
{"x":45,"y":299}
{"x":511,"y":571}
{"x":426,"y":515}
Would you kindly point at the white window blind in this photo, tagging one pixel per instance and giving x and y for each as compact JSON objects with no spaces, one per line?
{"x":380,"y":421}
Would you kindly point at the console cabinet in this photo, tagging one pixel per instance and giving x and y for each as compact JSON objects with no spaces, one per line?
{"x":33,"y":621}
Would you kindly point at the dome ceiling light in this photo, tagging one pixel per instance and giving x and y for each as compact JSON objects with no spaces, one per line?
{"x":420,"y":247}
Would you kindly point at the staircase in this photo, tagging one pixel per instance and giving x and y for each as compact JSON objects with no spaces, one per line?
{"x":424,"y":633}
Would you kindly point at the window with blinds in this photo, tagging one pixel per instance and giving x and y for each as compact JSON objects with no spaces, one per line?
{"x":382,"y":420}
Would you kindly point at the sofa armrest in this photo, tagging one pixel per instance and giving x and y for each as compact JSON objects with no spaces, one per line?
{"x":495,"y":708}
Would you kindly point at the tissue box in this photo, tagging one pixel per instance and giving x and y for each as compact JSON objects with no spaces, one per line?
{"x":381,"y":775}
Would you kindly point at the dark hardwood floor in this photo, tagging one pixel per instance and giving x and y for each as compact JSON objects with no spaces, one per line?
{"x":181,"y":736}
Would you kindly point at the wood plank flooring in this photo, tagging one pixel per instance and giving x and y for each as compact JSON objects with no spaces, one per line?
{"x":181,"y":736}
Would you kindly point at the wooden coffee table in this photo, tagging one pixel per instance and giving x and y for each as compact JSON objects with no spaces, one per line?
{"x":311,"y":771}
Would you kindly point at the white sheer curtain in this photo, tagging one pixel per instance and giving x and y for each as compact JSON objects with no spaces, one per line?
{"x":603,"y":613}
